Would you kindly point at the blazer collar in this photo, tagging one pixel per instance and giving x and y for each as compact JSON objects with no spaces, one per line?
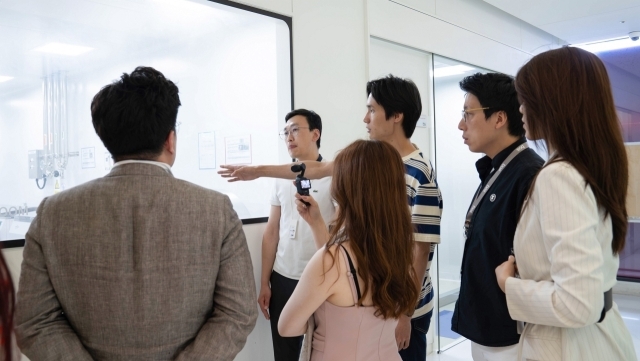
{"x":139,"y":168}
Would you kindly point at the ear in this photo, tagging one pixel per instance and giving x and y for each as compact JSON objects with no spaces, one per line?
{"x":501,"y":119}
{"x":397,"y":118}
{"x":170,"y":143}
{"x":316,"y":135}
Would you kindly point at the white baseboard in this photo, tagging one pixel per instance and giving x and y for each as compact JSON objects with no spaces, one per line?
{"x":627,"y":288}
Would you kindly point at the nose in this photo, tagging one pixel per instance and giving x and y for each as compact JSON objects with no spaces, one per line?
{"x":366,"y":118}
{"x":290,"y":137}
{"x":461,"y":124}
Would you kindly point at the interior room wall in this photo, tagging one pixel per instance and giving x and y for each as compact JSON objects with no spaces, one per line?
{"x":470,"y":31}
{"x":330,"y":54}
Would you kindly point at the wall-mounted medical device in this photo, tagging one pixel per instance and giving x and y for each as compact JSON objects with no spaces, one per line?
{"x":52,"y":160}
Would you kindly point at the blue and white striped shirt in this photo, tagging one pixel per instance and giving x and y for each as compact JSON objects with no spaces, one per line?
{"x":425,"y":201}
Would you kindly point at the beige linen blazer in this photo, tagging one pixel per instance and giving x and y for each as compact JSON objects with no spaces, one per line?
{"x":563,"y":252}
{"x":137,"y":265}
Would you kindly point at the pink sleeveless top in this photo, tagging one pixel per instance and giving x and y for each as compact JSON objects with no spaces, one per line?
{"x":352,"y":333}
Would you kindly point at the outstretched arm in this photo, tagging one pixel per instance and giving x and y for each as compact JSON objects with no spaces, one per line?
{"x":234,"y":173}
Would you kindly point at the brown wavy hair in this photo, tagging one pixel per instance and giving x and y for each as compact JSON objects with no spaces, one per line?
{"x":7,"y":303}
{"x":568,"y":101}
{"x":373,"y":215}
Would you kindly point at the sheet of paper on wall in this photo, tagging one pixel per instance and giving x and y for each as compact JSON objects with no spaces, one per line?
{"x":88,"y":157}
{"x":237,"y":150}
{"x":422,"y":122}
{"x":633,"y":194}
{"x":207,"y":150}
{"x":108,"y":161}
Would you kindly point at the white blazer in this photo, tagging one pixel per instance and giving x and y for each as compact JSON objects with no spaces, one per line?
{"x":563,"y":253}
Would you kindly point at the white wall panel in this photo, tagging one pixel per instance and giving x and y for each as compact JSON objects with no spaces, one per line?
{"x":481,"y":18}
{"x":283,"y":7}
{"x":472,"y":44}
{"x":329,"y":63}
{"x":425,"y":6}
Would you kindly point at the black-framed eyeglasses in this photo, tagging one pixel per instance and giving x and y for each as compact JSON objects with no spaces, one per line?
{"x":293,"y":130}
{"x":466,"y":113}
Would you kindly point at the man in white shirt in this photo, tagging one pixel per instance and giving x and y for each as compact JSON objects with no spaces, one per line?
{"x":288,"y":244}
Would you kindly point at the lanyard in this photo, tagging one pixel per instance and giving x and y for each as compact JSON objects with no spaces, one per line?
{"x":493,"y":178}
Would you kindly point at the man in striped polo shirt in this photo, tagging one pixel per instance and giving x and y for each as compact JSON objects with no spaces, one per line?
{"x":393,"y":109}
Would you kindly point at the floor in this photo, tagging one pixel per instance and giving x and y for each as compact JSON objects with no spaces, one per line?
{"x":629,"y":307}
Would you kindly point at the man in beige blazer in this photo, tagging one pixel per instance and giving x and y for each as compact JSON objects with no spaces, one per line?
{"x":137,"y":265}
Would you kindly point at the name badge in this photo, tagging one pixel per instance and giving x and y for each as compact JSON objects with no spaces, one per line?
{"x":293,"y":227}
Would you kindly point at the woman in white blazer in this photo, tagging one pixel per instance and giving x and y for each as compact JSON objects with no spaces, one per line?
{"x":574,"y":221}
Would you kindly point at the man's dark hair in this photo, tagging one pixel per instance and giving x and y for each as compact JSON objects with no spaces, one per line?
{"x":134,"y":115}
{"x":313,"y":119}
{"x":496,"y":91}
{"x":398,"y":96}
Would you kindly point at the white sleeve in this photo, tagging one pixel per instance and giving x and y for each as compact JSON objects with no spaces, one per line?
{"x":568,"y":216}
{"x":275,"y":201}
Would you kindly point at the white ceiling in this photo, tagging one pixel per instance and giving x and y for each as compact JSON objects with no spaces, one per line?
{"x":577,"y":21}
{"x":115,"y":29}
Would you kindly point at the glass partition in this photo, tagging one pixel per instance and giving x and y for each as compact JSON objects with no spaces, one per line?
{"x":458,"y":181}
{"x":232,"y":67}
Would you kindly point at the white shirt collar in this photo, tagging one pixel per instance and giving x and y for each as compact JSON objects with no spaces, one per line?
{"x":162,"y":165}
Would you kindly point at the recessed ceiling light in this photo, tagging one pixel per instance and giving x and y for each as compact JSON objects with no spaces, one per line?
{"x":451,"y":70}
{"x":63,"y":49}
{"x":5,"y":78}
{"x":608,"y":45}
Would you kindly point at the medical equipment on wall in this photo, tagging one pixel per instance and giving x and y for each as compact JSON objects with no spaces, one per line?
{"x":52,"y":160}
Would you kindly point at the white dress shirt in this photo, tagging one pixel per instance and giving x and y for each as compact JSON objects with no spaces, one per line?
{"x":564,"y":257}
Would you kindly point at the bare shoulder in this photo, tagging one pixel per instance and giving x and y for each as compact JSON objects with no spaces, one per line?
{"x":325,"y":263}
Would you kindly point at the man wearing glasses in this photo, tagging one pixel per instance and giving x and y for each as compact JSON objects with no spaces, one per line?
{"x":288,"y":243}
{"x":393,"y":109}
{"x":492,"y":124}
